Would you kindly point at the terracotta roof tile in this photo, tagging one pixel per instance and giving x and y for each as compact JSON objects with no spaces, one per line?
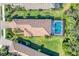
{"x":35,"y":23}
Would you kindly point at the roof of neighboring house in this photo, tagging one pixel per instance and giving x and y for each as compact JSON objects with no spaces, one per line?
{"x":38,"y":5}
{"x":38,"y":27}
{"x":26,"y":50}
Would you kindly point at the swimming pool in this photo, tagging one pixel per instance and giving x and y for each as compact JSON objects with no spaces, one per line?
{"x":57,"y":27}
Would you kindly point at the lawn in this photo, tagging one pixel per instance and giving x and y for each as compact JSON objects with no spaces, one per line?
{"x":35,"y":13}
{"x":53,"y":43}
{"x":24,"y":13}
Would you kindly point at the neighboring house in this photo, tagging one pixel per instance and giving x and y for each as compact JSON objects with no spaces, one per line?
{"x":38,"y":5}
{"x":32,"y":27}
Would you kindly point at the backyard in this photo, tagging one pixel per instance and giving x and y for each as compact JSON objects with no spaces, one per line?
{"x":49,"y":43}
{"x":52,"y":43}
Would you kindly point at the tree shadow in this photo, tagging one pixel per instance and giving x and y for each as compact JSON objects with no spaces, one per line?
{"x":36,"y":47}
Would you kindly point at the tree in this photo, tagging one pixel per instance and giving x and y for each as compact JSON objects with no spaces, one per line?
{"x":71,"y":43}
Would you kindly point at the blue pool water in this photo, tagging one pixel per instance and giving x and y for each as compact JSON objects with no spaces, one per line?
{"x":57,"y":27}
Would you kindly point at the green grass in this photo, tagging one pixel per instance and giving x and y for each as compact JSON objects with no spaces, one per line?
{"x":55,"y":13}
{"x":53,"y":43}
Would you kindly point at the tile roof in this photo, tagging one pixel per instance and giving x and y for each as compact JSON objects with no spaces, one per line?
{"x":38,"y":26}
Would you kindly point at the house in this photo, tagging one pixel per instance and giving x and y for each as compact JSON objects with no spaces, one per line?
{"x":32,"y":27}
{"x":37,"y":27}
{"x":38,"y":5}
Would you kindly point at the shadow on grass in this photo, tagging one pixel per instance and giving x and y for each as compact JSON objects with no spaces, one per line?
{"x":40,"y":48}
